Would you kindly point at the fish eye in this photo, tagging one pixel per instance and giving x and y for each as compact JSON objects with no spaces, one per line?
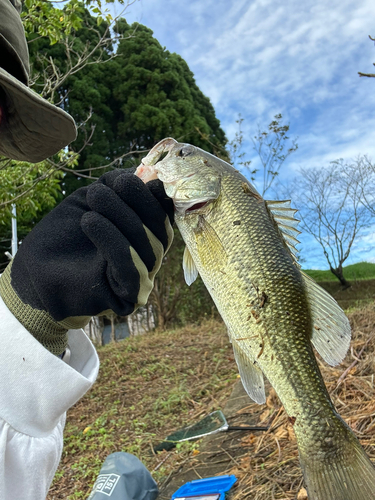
{"x":185,"y":151}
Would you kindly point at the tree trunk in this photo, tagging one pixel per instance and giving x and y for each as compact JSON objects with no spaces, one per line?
{"x":340,"y":276}
{"x":113,"y":333}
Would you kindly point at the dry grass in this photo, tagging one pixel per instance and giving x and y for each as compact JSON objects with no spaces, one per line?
{"x":148,"y":387}
{"x":151,"y":386}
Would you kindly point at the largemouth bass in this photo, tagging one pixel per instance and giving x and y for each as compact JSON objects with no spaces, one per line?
{"x":243,"y":247}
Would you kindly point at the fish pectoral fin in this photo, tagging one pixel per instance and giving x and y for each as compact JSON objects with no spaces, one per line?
{"x":251,"y":376}
{"x":190,"y":269}
{"x":210,"y":246}
{"x":331,"y":328}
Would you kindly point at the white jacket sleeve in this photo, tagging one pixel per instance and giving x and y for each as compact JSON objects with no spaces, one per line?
{"x":36,"y":389}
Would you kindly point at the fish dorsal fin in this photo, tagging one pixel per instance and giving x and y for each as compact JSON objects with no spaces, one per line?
{"x":286,"y":222}
{"x":251,"y":376}
{"x":331,"y":328}
{"x":190,"y":269}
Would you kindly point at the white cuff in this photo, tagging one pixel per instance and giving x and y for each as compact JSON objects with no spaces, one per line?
{"x":36,"y":387}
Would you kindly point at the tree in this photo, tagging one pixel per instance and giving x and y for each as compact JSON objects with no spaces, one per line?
{"x":47,"y":26}
{"x":34,"y":188}
{"x":124,"y":99}
{"x":366,"y":171}
{"x":370,"y":75}
{"x":273,"y":147}
{"x":138,"y":98}
{"x":331,"y":209}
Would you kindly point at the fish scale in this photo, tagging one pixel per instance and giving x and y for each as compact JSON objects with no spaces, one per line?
{"x":241,"y":246}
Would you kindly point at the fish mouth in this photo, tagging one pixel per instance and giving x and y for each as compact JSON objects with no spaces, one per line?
{"x":156,"y":166}
{"x":152,"y":166}
{"x":160,"y":151}
{"x":147,"y":170}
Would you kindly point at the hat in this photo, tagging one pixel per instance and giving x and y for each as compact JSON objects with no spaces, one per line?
{"x":31,"y":128}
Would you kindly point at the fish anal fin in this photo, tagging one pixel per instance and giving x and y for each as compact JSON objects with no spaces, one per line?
{"x":331,"y":328}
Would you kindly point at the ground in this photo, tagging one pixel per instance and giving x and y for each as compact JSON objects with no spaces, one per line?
{"x":152,"y":385}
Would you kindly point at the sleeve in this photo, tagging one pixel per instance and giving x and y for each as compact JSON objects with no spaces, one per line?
{"x":36,"y":390}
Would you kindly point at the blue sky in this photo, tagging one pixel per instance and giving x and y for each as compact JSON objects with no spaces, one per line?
{"x":263,"y":57}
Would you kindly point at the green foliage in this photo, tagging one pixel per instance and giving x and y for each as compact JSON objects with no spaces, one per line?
{"x":159,"y":96}
{"x":137,"y":98}
{"x":23,"y":177}
{"x":34,"y":188}
{"x":359,"y":271}
{"x":43,"y":18}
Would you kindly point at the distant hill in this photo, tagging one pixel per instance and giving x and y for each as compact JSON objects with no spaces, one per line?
{"x":360,"y":271}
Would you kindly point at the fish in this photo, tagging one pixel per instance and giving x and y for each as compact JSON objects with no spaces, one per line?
{"x":244,"y":249}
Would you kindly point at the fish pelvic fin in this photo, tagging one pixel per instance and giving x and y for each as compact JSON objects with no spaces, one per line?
{"x":346,"y":475}
{"x":331,"y":328}
{"x":190,"y":269}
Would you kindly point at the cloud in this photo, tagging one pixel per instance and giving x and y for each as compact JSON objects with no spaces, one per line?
{"x":263,"y":57}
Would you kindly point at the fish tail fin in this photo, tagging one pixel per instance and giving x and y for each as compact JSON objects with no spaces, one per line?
{"x":347,"y":474}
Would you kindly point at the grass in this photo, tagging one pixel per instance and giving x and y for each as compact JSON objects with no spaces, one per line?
{"x":361,"y":276}
{"x":151,"y":385}
{"x":354,"y":272}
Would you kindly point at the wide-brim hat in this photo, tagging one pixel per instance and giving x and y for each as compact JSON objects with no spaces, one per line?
{"x":31,"y":128}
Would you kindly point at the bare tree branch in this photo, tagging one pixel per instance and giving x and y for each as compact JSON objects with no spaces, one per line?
{"x":369,"y":75}
{"x":332,"y":209}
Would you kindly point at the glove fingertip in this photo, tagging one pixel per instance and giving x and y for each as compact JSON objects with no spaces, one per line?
{"x":157,"y":189}
{"x":89,"y":221}
{"x":109,"y":178}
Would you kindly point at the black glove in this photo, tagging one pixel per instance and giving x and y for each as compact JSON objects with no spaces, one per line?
{"x":98,"y":251}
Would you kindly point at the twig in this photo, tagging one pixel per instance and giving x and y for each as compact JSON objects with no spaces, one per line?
{"x":356,"y":360}
{"x":161,"y":463}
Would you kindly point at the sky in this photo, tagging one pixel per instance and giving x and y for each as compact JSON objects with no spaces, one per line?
{"x":263,"y":57}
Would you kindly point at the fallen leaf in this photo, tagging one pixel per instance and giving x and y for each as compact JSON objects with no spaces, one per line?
{"x":302,"y":494}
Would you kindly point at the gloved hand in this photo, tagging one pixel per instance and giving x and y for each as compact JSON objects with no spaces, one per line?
{"x":98,"y":251}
